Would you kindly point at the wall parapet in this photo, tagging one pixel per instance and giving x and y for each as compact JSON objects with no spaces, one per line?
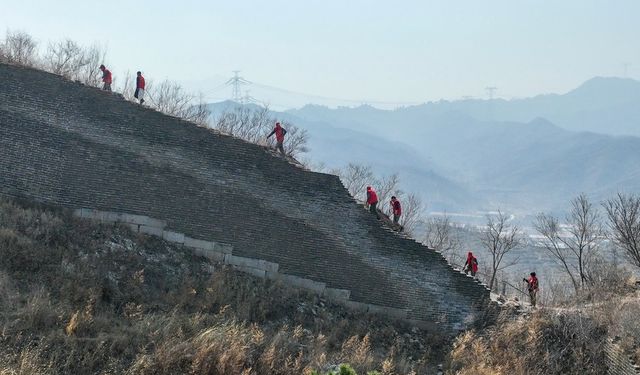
{"x":223,"y":253}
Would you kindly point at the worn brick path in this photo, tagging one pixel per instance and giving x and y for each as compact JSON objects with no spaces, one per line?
{"x":75,"y":146}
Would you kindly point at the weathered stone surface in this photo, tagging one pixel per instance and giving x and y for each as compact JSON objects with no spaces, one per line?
{"x":79,"y":147}
{"x":173,"y":236}
{"x":303,"y":283}
{"x":200,"y":244}
{"x":337,"y":294}
{"x":151,"y":230}
{"x":357,"y":306}
{"x":250,"y":262}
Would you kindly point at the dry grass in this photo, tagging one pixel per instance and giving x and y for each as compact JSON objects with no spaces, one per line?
{"x":82,"y":298}
{"x":544,"y":342}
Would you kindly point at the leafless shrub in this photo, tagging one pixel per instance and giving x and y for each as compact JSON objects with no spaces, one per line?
{"x":386,"y":187}
{"x":65,"y":58}
{"x":89,"y":74}
{"x":439,"y":234}
{"x":623,"y":212}
{"x":170,"y":98}
{"x":19,"y":48}
{"x":356,"y":178}
{"x":73,"y":61}
{"x":499,"y":237}
{"x":412,"y":210}
{"x":573,"y":247}
{"x":254,"y":124}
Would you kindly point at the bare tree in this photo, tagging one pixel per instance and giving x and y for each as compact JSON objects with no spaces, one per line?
{"x":573,"y":247}
{"x":500,"y":238}
{"x":623,"y":212}
{"x":412,"y":209}
{"x":386,"y":187}
{"x":355,"y":179}
{"x":65,"y":58}
{"x":88,"y":73}
{"x":170,"y":98}
{"x":439,"y":235}
{"x":19,"y":48}
{"x":254,"y":124}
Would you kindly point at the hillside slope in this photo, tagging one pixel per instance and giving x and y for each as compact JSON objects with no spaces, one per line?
{"x":81,"y":298}
{"x":78,"y":147}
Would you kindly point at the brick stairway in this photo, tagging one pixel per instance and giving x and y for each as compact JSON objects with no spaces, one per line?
{"x":70,"y":145}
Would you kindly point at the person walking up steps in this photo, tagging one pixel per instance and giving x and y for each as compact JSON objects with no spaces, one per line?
{"x":106,"y":78}
{"x":471,"y":265}
{"x":396,"y":209}
{"x":372,"y":201}
{"x":139,"y":88}
{"x":532,"y":287}
{"x":280,"y":132}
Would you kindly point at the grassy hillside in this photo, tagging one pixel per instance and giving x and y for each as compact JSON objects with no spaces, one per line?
{"x":82,"y":298}
{"x":78,"y":297}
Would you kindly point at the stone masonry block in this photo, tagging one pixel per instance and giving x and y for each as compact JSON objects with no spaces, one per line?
{"x":225,"y":248}
{"x":111,"y":217}
{"x":151,"y":230}
{"x":173,"y":236}
{"x":143,"y":220}
{"x":303,"y":283}
{"x":356,"y":306}
{"x":273,"y":275}
{"x":88,"y":213}
{"x":387,"y":311}
{"x":134,"y":227}
{"x":250,"y":262}
{"x":251,"y":271}
{"x":216,"y":256}
{"x":337,"y":294}
{"x":200,"y":244}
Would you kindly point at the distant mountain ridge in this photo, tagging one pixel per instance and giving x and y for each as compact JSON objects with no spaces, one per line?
{"x":526,"y":155}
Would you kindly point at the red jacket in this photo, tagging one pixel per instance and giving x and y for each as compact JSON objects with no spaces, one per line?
{"x":397,"y":209}
{"x":533,"y":283}
{"x":472,"y":262}
{"x":372,"y":197}
{"x":106,"y":76}
{"x":279,"y":131}
{"x":140,"y":82}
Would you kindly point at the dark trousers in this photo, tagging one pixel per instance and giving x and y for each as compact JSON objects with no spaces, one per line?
{"x":532,"y":295}
{"x":374,"y":209}
{"x":280,"y":147}
{"x":396,"y":219}
{"x":106,"y":87}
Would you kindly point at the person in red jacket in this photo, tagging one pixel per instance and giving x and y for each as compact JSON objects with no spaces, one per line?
{"x":280,"y":132}
{"x":471,"y":265}
{"x":106,"y":78}
{"x":396,"y":208}
{"x":372,"y":201}
{"x":532,"y":287}
{"x":139,"y":94}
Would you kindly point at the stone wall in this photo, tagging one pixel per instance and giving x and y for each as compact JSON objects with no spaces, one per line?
{"x":74,"y":146}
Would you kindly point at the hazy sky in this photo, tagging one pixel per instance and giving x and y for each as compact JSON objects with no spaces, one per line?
{"x":392,"y":51}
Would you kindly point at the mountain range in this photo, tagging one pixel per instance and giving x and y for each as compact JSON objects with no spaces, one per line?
{"x":522,"y":155}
